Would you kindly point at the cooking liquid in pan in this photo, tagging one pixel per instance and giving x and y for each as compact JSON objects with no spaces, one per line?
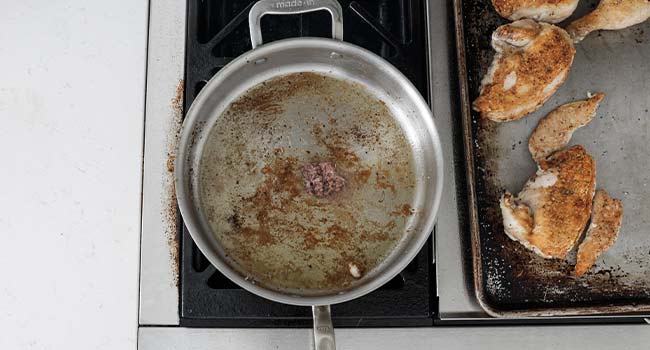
{"x":252,"y":192}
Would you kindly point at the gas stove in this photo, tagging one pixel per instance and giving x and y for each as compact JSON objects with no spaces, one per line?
{"x":217,"y":32}
{"x":184,"y":300}
{"x":178,"y":285}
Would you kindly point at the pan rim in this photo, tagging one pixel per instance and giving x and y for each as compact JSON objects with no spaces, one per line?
{"x":188,"y":209}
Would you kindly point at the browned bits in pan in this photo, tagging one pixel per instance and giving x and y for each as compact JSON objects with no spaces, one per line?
{"x":262,"y":167}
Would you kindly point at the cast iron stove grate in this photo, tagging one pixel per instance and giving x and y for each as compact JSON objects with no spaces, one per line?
{"x":217,"y":33}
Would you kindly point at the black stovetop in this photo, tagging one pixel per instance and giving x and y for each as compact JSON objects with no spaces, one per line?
{"x":217,"y":32}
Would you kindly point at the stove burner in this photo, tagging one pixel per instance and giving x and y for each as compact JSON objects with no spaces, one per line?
{"x":217,"y":33}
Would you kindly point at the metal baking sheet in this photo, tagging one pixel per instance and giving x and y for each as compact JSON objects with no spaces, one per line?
{"x":510,"y":281}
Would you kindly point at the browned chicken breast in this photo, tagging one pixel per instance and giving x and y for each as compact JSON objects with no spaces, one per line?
{"x":532,"y":60}
{"x":554,"y":131}
{"x":550,"y":213}
{"x":610,"y":15}
{"x":550,"y":11}
{"x":601,"y":235}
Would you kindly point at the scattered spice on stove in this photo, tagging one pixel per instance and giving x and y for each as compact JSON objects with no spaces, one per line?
{"x":171,"y":158}
{"x":321,"y":179}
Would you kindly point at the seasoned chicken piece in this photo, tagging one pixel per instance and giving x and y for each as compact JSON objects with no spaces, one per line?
{"x":550,"y":213}
{"x":601,"y":235}
{"x":555,"y":130}
{"x":531,"y":62}
{"x":550,"y":11}
{"x":610,"y":15}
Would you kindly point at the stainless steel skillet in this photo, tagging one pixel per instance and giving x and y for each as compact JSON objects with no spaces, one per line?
{"x":288,"y":104}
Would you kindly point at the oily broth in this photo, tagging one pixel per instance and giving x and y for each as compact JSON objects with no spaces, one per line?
{"x":252,"y":193}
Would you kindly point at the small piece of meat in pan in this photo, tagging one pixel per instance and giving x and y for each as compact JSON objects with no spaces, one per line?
{"x":355,"y":270}
{"x":321,"y":179}
{"x":607,"y":215}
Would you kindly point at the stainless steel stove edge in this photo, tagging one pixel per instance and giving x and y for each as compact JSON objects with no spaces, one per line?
{"x":163,"y":114}
{"x":593,"y":337}
{"x":453,"y":273}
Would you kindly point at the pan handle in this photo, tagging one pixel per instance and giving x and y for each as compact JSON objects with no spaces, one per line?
{"x":279,"y":7}
{"x":323,"y":329}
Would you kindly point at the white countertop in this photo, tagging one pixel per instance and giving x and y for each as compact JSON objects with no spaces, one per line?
{"x":72,"y":108}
